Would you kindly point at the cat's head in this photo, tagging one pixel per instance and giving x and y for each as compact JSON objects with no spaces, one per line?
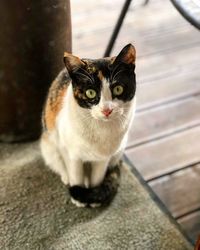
{"x":105,"y":87}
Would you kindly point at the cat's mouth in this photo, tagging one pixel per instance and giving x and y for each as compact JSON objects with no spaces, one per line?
{"x":102,"y":118}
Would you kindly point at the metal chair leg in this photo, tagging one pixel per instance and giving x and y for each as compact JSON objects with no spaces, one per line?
{"x":117,"y":28}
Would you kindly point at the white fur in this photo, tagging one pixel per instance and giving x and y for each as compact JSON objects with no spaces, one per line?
{"x":86,"y":135}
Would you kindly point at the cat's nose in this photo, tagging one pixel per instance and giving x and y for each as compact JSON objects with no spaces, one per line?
{"x":107,"y":112}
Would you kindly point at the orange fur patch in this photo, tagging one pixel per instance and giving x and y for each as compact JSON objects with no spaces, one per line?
{"x":130,"y":56}
{"x":79,"y":94}
{"x":71,"y":61}
{"x":54,"y":104}
{"x":197,"y":246}
{"x":100,"y":76}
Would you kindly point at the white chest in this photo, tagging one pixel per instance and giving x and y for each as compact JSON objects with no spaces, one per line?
{"x":90,"y":141}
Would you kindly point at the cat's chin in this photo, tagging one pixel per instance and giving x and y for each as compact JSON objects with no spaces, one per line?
{"x":103,"y":119}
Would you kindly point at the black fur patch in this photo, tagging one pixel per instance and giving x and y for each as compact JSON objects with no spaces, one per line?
{"x":102,"y":194}
{"x":124,"y":75}
{"x":81,"y":81}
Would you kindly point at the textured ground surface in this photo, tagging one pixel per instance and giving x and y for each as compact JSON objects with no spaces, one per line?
{"x":36,"y":213}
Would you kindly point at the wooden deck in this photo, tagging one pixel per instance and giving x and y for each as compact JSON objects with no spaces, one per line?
{"x":164,"y":142}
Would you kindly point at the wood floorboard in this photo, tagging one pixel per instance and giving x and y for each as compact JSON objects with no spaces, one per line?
{"x":165,"y":66}
{"x":162,"y":156}
{"x":191,"y":224}
{"x":155,"y":38}
{"x":152,"y":45}
{"x":164,"y":121}
{"x":166,"y":91}
{"x":179,"y":191}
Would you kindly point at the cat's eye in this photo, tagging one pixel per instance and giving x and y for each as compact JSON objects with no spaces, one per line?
{"x":90,"y":93}
{"x":118,"y":90}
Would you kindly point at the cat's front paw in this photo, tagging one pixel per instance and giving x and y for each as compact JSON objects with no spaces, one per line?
{"x":78,"y":203}
{"x":99,"y":195}
{"x":83,"y":197}
{"x":78,"y":196}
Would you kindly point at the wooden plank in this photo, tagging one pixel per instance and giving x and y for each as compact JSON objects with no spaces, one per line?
{"x":147,"y":34}
{"x":191,"y":224}
{"x":82,"y":8}
{"x":162,"y":156}
{"x":146,"y":46}
{"x":166,"y":90}
{"x":168,"y":65}
{"x":161,"y":33}
{"x":164,"y":121}
{"x":133,"y":31}
{"x":179,"y":191}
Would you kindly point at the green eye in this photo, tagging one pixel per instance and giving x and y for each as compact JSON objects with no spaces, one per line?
{"x":90,"y":93}
{"x":118,"y":90}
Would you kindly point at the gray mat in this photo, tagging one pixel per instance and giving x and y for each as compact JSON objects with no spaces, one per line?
{"x":36,"y":213}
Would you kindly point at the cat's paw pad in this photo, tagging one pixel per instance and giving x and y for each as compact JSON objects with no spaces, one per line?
{"x":78,"y":203}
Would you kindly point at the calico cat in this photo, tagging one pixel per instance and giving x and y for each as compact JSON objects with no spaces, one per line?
{"x":86,"y":118}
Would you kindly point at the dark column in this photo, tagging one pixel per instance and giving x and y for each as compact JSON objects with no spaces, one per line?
{"x":33,"y":37}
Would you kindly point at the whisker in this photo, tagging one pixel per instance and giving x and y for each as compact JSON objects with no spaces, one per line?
{"x":115,"y":68}
{"x":87,"y":74}
{"x":84,"y":75}
{"x":117,"y":74}
{"x":114,"y":71}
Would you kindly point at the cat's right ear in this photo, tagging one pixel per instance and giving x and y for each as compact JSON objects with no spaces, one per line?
{"x":72,"y":62}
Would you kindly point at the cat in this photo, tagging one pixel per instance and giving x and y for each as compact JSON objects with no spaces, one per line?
{"x":86,"y":118}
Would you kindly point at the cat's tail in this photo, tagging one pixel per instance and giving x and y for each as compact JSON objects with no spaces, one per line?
{"x":102,"y":194}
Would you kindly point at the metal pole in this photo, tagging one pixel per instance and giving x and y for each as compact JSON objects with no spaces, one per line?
{"x":117,"y":28}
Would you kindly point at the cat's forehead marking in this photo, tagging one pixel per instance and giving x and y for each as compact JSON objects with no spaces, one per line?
{"x":100,"y":76}
{"x":90,"y":67}
{"x":103,"y":69}
{"x":106,"y":93}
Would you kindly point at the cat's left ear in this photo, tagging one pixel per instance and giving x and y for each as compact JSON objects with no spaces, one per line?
{"x":127,"y":55}
{"x":72,"y":62}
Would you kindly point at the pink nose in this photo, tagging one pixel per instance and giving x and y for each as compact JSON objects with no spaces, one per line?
{"x":107,"y":112}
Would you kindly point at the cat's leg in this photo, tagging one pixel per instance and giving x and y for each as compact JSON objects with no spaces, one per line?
{"x":75,"y":172}
{"x":76,"y":180}
{"x":82,"y":195}
{"x":98,"y":171}
{"x":103,"y":186}
{"x":53,"y":158}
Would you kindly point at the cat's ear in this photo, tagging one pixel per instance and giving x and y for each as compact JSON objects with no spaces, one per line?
{"x":72,"y":62}
{"x":127,"y":55}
